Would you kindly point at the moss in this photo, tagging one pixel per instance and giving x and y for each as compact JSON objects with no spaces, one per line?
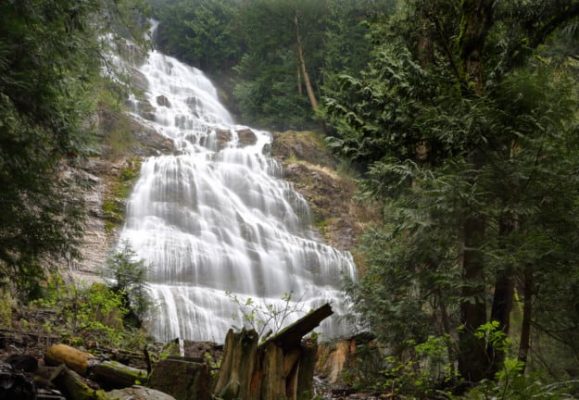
{"x":118,"y":191}
{"x":5,"y":308}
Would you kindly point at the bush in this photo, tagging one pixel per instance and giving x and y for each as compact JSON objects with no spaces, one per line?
{"x":128,"y":281}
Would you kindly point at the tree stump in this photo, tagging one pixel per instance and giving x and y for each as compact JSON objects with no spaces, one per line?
{"x":281,"y":368}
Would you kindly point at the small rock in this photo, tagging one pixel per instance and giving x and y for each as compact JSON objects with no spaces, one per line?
{"x":15,"y":385}
{"x":23,"y":362}
{"x":138,"y":393}
{"x":163,"y":101}
{"x":222,"y":137}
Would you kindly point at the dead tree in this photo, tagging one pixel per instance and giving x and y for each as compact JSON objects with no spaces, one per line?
{"x":281,"y":368}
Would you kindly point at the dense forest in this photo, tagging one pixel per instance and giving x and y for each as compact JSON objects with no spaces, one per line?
{"x":458,"y":118}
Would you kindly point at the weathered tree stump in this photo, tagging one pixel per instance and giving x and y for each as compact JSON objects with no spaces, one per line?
{"x":182,"y":379}
{"x":281,"y":368}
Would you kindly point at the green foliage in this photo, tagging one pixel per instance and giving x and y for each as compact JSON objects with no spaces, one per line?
{"x":252,"y":49}
{"x":5,"y":307}
{"x":267,"y":318}
{"x":129,"y":275}
{"x":88,"y":315}
{"x":512,"y":384}
{"x":441,"y":147}
{"x":202,"y":33}
{"x":493,"y":336}
{"x":47,"y":50}
{"x":120,"y":190}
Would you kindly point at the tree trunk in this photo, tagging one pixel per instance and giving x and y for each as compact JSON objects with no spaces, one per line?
{"x":302,"y":62}
{"x":299,"y":79}
{"x":305,"y":373}
{"x":473,"y":363}
{"x":114,"y":375}
{"x":472,"y":359}
{"x":238,"y":365}
{"x":75,"y":388}
{"x":503,"y":298}
{"x":78,"y":361}
{"x":528,"y":289}
{"x":280,"y":368}
{"x":477,"y":19}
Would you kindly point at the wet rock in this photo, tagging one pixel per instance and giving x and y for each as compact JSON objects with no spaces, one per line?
{"x":306,"y":146}
{"x":23,"y":362}
{"x":150,"y":142}
{"x":309,"y":165}
{"x":15,"y":385}
{"x":222,"y":136}
{"x":138,"y":80}
{"x":246,"y":137}
{"x":163,"y":101}
{"x":146,"y":110}
{"x":193,"y":103}
{"x":184,"y":380}
{"x":138,"y":393}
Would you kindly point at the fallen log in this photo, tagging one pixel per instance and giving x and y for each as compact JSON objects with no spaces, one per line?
{"x":78,"y":361}
{"x":291,"y":336}
{"x":280,"y":368}
{"x":114,"y":375}
{"x":75,"y":388}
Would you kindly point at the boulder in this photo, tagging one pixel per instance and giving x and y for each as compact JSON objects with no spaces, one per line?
{"x":246,"y":137}
{"x":137,"y":393}
{"x":15,"y":385}
{"x":222,"y":136}
{"x":184,"y":380}
{"x":163,"y":101}
{"x":23,"y":362}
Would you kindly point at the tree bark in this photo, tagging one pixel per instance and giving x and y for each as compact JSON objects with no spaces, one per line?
{"x":473,"y":363}
{"x":78,"y":361}
{"x":472,"y":359}
{"x":477,"y":19}
{"x":114,"y":375}
{"x":238,"y":365}
{"x":302,"y":62}
{"x":280,"y":368}
{"x":502,"y":298}
{"x":528,"y":289}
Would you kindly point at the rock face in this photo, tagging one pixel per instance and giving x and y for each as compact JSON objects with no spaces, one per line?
{"x":101,"y":175}
{"x":182,"y":379}
{"x":309,"y":165}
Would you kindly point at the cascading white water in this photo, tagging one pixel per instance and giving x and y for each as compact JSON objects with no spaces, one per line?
{"x":215,"y":221}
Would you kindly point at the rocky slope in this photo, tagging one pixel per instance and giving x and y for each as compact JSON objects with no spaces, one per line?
{"x":329,"y":188}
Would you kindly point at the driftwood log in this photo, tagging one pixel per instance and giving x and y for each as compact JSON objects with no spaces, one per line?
{"x":114,"y":375}
{"x":281,"y":368}
{"x":76,"y":363}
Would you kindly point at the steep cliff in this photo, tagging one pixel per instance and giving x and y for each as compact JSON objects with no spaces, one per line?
{"x":329,"y":188}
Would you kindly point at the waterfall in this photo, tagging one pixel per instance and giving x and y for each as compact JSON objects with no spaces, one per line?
{"x":215,"y":222}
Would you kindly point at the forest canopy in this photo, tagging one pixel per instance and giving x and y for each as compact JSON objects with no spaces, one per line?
{"x":459,"y":118}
